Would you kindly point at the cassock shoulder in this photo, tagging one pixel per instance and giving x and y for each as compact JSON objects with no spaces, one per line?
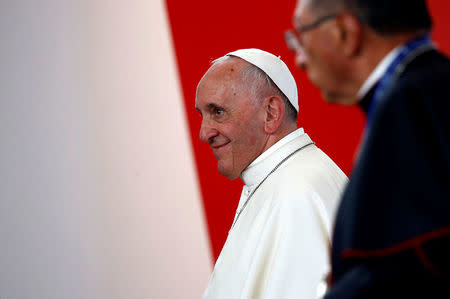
{"x":402,"y":174}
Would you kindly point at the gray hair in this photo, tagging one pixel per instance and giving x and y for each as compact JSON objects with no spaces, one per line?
{"x":260,"y":86}
{"x":383,"y":16}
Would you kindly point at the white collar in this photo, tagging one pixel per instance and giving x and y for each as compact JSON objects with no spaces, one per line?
{"x":263,"y":164}
{"x":378,"y":72}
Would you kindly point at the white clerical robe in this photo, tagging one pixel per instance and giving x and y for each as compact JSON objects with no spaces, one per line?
{"x":278,"y":246}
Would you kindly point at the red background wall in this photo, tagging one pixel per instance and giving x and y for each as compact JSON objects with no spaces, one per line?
{"x":203,"y":30}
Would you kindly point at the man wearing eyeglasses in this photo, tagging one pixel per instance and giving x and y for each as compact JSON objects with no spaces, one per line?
{"x":392,"y":230}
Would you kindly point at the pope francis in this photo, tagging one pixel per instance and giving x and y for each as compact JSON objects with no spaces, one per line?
{"x":278,"y":245}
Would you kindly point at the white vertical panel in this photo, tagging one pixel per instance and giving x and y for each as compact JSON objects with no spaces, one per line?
{"x":98,"y":193}
{"x":46,"y":220}
{"x":153,"y":209}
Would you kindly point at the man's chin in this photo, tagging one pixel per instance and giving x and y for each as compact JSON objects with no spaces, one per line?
{"x":227,"y":173}
{"x":339,"y":98}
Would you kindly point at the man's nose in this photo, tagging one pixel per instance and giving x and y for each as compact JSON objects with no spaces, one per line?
{"x":300,"y":58}
{"x":207,"y":131}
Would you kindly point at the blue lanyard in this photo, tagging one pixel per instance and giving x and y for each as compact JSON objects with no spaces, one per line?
{"x":408,"y":52}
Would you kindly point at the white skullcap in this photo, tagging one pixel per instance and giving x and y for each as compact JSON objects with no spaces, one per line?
{"x":275,"y":68}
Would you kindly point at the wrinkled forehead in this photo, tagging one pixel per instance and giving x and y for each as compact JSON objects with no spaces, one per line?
{"x":320,"y":7}
{"x":223,"y":78}
{"x":302,"y":7}
{"x":223,"y":71}
{"x":228,"y":66}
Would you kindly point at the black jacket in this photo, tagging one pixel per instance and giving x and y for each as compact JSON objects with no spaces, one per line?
{"x":392,"y":229}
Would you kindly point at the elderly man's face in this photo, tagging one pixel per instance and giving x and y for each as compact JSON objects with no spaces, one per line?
{"x":317,"y":54}
{"x":232,"y":123}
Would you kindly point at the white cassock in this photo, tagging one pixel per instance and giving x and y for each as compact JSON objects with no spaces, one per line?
{"x":278,"y":246}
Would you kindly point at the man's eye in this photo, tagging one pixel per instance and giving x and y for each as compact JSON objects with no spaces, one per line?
{"x":218,"y":111}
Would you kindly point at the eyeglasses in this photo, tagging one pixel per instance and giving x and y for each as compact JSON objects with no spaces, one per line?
{"x":293,"y":37}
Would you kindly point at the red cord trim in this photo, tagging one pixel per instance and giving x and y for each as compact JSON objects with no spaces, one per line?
{"x":426,"y":262}
{"x":402,"y":246}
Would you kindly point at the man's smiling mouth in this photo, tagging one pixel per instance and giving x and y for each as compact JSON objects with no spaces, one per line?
{"x":218,"y":148}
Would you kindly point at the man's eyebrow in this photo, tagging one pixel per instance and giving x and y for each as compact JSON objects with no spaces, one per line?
{"x":212,"y":106}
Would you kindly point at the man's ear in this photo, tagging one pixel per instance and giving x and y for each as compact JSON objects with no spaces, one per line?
{"x":274,"y":113}
{"x":349,"y":34}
